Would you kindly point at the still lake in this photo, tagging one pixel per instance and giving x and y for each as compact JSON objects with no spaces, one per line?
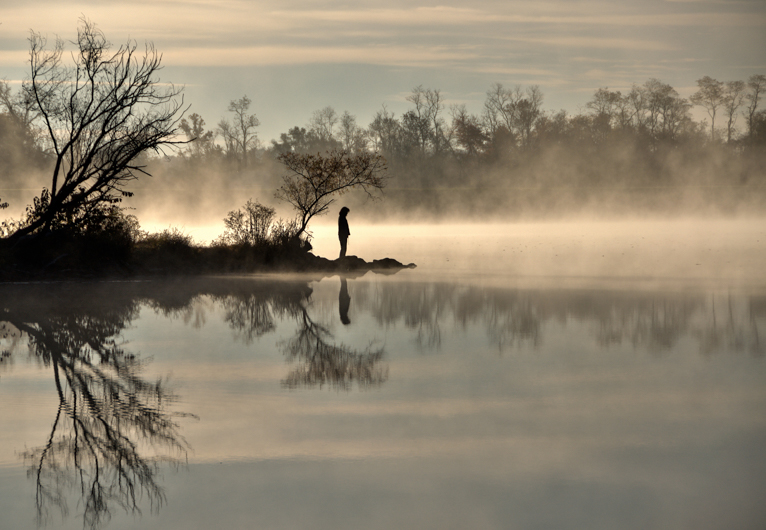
{"x":548,"y":375}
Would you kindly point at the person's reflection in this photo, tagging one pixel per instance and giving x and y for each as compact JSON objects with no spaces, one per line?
{"x":344,"y":301}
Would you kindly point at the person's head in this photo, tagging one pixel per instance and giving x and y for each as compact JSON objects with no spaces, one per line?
{"x":344,"y":211}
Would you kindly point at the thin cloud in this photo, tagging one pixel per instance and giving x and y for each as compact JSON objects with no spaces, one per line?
{"x":508,"y":70}
{"x":271,"y":55}
{"x":609,"y":43}
{"x":13,"y":58}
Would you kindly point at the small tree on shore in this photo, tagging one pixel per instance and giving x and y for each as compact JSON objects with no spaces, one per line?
{"x":101,"y":115}
{"x":249,"y":225}
{"x":315,"y":180}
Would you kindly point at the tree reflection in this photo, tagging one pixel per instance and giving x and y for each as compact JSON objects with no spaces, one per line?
{"x":422,"y":307}
{"x":322,"y":362}
{"x":512,"y":321}
{"x":732,"y":326}
{"x":514,"y":318}
{"x":654,"y":323}
{"x":253,"y":313}
{"x":112,"y":427}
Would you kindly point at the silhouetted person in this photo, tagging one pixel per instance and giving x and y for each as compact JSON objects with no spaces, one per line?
{"x":343,"y":231}
{"x":344,"y":301}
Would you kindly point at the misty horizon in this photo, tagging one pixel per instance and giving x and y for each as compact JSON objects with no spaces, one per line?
{"x":619,"y":157}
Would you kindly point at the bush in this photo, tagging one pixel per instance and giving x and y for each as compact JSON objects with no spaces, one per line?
{"x":286,"y":233}
{"x":171,"y":239}
{"x":100,"y":240}
{"x":254,"y":226}
{"x":249,"y":226}
{"x":169,"y":251}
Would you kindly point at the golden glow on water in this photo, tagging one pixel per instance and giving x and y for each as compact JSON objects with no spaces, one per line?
{"x":730,"y":250}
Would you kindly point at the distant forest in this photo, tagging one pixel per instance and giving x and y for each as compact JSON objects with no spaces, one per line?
{"x":638,"y":152}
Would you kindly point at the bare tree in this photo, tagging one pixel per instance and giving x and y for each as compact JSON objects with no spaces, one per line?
{"x":467,"y":131}
{"x":435,"y":105}
{"x":430,"y":125}
{"x":528,"y":110}
{"x":21,"y":140}
{"x":756,"y":85}
{"x":605,"y":103}
{"x":249,"y":225}
{"x":315,"y":180}
{"x":239,"y":135}
{"x":514,"y":110}
{"x":18,"y":105}
{"x":636,"y":103}
{"x":352,"y":137}
{"x":734,"y":97}
{"x":500,"y":107}
{"x":384,"y":131}
{"x":100,"y":114}
{"x":323,"y":123}
{"x":667,"y":111}
{"x":711,"y":96}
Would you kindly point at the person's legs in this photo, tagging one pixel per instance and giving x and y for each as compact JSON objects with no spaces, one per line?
{"x":343,"y":241}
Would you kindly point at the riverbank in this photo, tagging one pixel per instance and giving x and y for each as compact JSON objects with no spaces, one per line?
{"x":79,"y":258}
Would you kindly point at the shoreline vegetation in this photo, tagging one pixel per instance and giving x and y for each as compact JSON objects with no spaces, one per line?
{"x":63,"y":256}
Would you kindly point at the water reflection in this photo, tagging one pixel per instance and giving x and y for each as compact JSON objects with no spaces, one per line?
{"x":344,"y":301}
{"x":512,"y":318}
{"x":113,"y":427}
{"x":106,"y":409}
{"x":320,"y":361}
{"x":253,"y":312}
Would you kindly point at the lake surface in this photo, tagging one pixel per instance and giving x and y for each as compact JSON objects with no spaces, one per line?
{"x":523,"y":376}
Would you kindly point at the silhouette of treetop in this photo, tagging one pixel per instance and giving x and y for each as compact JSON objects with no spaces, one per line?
{"x":315,"y":180}
{"x":100,"y":114}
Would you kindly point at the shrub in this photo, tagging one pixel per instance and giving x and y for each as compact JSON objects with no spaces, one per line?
{"x":171,"y":239}
{"x":248,"y":226}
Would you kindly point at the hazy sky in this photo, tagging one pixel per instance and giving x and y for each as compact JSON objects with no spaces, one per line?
{"x":293,"y":57}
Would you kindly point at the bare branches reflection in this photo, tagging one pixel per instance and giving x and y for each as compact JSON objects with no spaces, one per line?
{"x":319,"y":360}
{"x":323,"y":362}
{"x":112,"y":427}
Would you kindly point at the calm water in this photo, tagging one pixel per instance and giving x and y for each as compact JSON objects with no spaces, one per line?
{"x":440,"y":397}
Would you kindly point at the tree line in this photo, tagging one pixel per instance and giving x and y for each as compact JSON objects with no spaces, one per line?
{"x":641,"y":147}
{"x":99,"y":125}
{"x":512,"y":119}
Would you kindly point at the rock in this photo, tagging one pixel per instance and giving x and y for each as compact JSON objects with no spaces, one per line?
{"x":390,"y":263}
{"x":353,"y":264}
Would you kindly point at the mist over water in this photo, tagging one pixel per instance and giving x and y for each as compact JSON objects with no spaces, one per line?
{"x":719,"y":251}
